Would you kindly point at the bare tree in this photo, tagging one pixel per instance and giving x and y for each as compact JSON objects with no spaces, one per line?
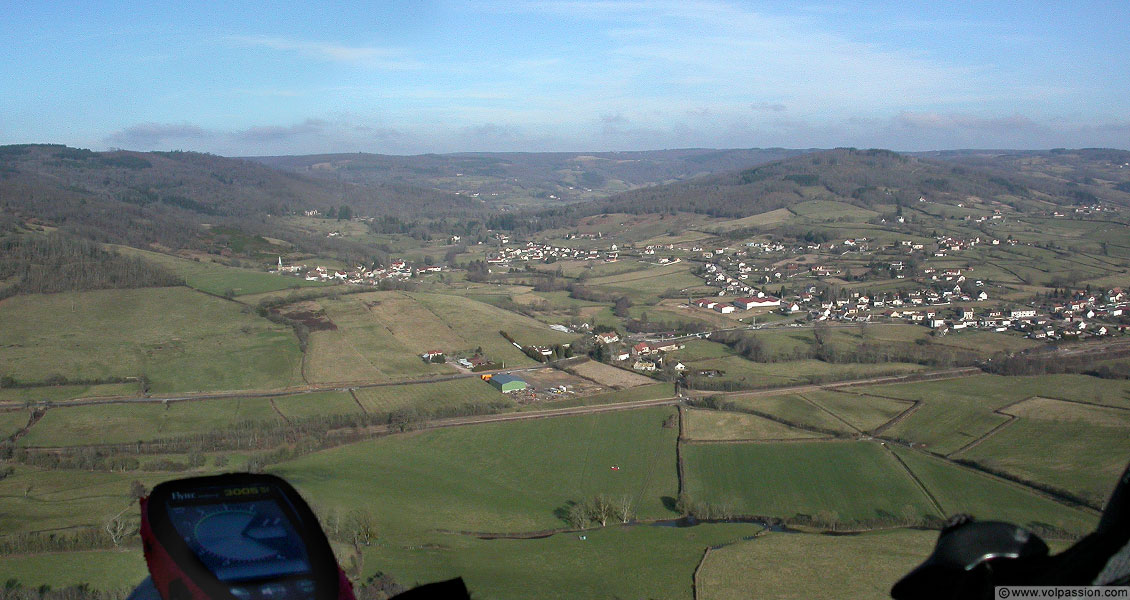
{"x":118,"y":527}
{"x":624,"y":508}
{"x":577,"y":515}
{"x":363,"y":525}
{"x":820,"y":331}
{"x":600,"y":509}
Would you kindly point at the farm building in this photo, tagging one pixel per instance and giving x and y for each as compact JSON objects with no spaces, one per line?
{"x":507,"y":383}
{"x":764,"y":301}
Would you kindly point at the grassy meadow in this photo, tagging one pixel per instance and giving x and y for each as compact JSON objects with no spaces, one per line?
{"x":789,"y":566}
{"x":499,"y":477}
{"x":219,"y":279}
{"x":316,"y":404}
{"x":713,"y":425}
{"x":961,"y":490}
{"x":126,"y":423}
{"x":62,"y":393}
{"x":180,"y":339}
{"x":116,"y":570}
{"x":12,"y":420}
{"x":614,"y":562}
{"x":864,"y":413}
{"x":429,"y":397}
{"x":844,"y":481}
{"x":379,"y":336}
{"x":794,"y":409}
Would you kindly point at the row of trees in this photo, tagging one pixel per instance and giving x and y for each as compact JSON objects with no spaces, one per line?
{"x":600,"y":509}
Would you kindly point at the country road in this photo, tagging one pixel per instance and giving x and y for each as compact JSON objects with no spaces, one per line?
{"x":597,"y":408}
{"x":274,"y":393}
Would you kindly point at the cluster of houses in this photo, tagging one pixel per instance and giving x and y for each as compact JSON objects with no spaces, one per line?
{"x":948,"y":245}
{"x":536,"y":251}
{"x":644,"y":356}
{"x":397,"y":269}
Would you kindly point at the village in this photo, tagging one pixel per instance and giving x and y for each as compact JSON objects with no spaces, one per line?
{"x":397,"y":270}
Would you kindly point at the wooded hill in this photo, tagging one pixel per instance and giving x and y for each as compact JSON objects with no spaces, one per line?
{"x":140,"y":198}
{"x":1082,"y":173}
{"x":567,"y":176}
{"x":58,"y":263}
{"x":166,"y":198}
{"x":873,"y":179}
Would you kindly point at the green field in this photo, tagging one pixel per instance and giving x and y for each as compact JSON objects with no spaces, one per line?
{"x":615,"y":562}
{"x":844,"y":481}
{"x":793,"y":409}
{"x":831,"y":210}
{"x":497,"y":477}
{"x":745,"y":374}
{"x":953,"y":413}
{"x":723,"y":425}
{"x":219,"y":279}
{"x":701,"y":350}
{"x":802,"y":566}
{"x":1078,"y":448}
{"x":958,"y":411}
{"x":962,"y":490}
{"x":477,"y":324}
{"x":181,"y":339}
{"x":761,"y":219}
{"x":1079,"y":456}
{"x":125,"y":423}
{"x":317,"y":404}
{"x":378,"y":336}
{"x":104,"y":570}
{"x":652,"y":280}
{"x":987,"y":342}
{"x":862,"y":412}
{"x":11,"y":421}
{"x":62,"y":393}
{"x":36,"y":500}
{"x":429,"y":397}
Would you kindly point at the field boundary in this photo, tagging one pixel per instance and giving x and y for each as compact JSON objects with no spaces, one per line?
{"x":825,"y":438}
{"x":278,"y":412}
{"x":834,"y":415}
{"x":680,"y":468}
{"x":899,"y":418}
{"x":32,"y":419}
{"x":918,"y":482}
{"x":974,"y":467}
{"x":697,"y":569}
{"x":353,"y":394}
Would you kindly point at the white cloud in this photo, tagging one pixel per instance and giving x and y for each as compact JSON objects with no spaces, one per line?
{"x":369,"y":56}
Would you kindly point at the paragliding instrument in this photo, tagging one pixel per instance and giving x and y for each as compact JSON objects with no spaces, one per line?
{"x":237,"y":537}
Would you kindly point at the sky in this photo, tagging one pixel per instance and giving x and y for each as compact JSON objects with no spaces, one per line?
{"x":406,"y":77}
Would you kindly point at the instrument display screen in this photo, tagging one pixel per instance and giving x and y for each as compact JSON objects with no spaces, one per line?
{"x":240,"y":536}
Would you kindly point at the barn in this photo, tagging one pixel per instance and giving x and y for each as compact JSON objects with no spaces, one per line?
{"x":507,"y":383}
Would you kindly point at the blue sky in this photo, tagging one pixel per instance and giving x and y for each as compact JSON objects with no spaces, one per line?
{"x":240,"y":78}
